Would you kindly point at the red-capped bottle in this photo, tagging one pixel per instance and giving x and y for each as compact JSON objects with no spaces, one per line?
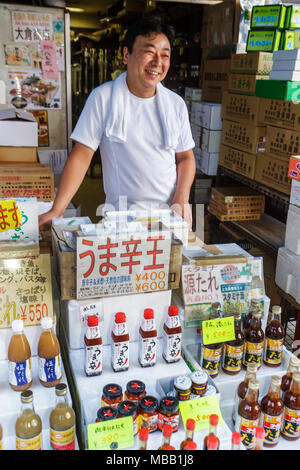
{"x":236,"y":440}
{"x":172,"y":336}
{"x":166,"y":436}
{"x":189,"y":435}
{"x":259,"y":438}
{"x":213,"y":424}
{"x":93,"y":347}
{"x":143,"y":438}
{"x":120,"y":344}
{"x":148,"y":340}
{"x":212,"y":443}
{"x":191,"y":446}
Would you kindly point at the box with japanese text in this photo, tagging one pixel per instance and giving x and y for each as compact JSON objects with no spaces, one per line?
{"x":19,"y":219}
{"x":268,"y":16}
{"x":257,"y":63}
{"x":244,"y":84}
{"x":234,"y":215}
{"x":18,"y":154}
{"x":282,"y":143}
{"x":294,"y":168}
{"x":243,"y":108}
{"x":215,"y":79}
{"x":264,"y":41}
{"x":292,"y":18}
{"x":250,"y":139}
{"x":273,"y":172}
{"x":279,"y":113}
{"x":238,"y":161}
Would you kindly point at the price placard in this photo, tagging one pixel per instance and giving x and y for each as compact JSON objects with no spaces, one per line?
{"x":111,"y":435}
{"x":218,"y":330}
{"x":200,"y":410}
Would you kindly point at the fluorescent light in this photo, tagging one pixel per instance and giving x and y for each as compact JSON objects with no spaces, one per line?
{"x":75,"y":10}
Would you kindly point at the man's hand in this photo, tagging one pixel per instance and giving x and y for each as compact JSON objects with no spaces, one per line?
{"x":183,"y":208}
{"x":45,"y":219}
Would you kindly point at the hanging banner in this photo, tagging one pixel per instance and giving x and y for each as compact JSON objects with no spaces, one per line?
{"x":49,"y":60}
{"x":31,"y":26}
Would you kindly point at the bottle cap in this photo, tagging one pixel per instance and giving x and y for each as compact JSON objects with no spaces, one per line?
{"x":120,"y":317}
{"x":169,"y":404}
{"x":257,"y":314}
{"x":173,"y":310}
{"x":237,"y":315}
{"x":199,"y":377}
{"x":127,"y":408}
{"x":143,"y":434}
{"x":61,"y":389}
{"x":46,"y":323}
{"x":253,"y":384}
{"x":276,"y":309}
{"x":148,"y":314}
{"x":26,"y":396}
{"x":191,"y":446}
{"x":294,"y":361}
{"x":216,"y":306}
{"x":106,"y":413}
{"x":182,"y":382}
{"x":169,"y":448}
{"x":296,"y":376}
{"x":148,"y":403}
{"x":275,"y":380}
{"x":255,"y":302}
{"x":112,"y":391}
{"x":135,"y":387}
{"x":212,"y":443}
{"x":236,"y":438}
{"x":259,"y":433}
{"x":167,"y":430}
{"x":17,"y":326}
{"x":214,"y":420}
{"x":190,"y":424}
{"x":93,"y":320}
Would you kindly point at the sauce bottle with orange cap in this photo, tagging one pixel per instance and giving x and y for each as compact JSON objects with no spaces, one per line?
{"x":213,"y":423}
{"x":120,"y":344}
{"x":143,"y":438}
{"x":93,"y":347}
{"x":212,"y":443}
{"x":166,"y":436}
{"x":148,"y":339}
{"x":189,"y":434}
{"x":172,"y":336}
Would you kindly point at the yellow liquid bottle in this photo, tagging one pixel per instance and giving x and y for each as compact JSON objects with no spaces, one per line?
{"x":62,"y":422}
{"x":28,"y":425}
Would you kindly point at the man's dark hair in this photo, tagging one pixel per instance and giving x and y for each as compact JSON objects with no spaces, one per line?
{"x":144,"y":27}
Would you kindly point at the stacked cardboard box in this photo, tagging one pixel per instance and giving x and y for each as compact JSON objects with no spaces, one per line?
{"x":192,"y":95}
{"x":215,"y":79}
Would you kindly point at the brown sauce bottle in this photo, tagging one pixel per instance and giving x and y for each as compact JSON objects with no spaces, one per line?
{"x":62,"y":422}
{"x":291,"y":416}
{"x":148,"y":340}
{"x":212,"y":353}
{"x":274,"y":339}
{"x":249,"y":413}
{"x":172,"y":336}
{"x":243,"y":387}
{"x":254,"y":307}
{"x":272,"y":412}
{"x":254,"y":341}
{"x":120,"y":344}
{"x":233,"y":350}
{"x":294,"y":366}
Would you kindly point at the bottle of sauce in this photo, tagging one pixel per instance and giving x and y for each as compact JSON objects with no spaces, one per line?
{"x":254,"y":307}
{"x":120,"y":344}
{"x":274,"y":339}
{"x":148,"y":340}
{"x":166,"y":436}
{"x":243,"y":387}
{"x":135,"y":390}
{"x":272,"y":412}
{"x":148,"y":413}
{"x":19,"y":359}
{"x":189,"y":434}
{"x":112,"y":395}
{"x":236,"y":440}
{"x":106,"y":413}
{"x":259,"y":438}
{"x":143,"y":439}
{"x":215,"y":311}
{"x":168,"y":413}
{"x":129,"y":408}
{"x":294,"y":366}
{"x":62,"y":422}
{"x":254,"y":341}
{"x":291,"y":416}
{"x":213,"y":424}
{"x":28,"y":425}
{"x":233,"y":350}
{"x":249,"y":415}
{"x":172,"y":336}
{"x":191,"y":446}
{"x":212,"y":443}
{"x":93,"y":347}
{"x":212,"y":353}
{"x":49,"y":355}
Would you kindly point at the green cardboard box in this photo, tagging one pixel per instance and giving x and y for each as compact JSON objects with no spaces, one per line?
{"x":292,"y":19}
{"x":290,"y":40}
{"x":278,"y":90}
{"x":263,"y":40}
{"x":268,"y":17}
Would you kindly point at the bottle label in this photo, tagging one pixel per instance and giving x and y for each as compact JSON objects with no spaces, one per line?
{"x":291,"y":423}
{"x":120,"y":355}
{"x":34,"y":443}
{"x":120,"y":329}
{"x":93,"y":359}
{"x":50,"y":369}
{"x":93,"y":332}
{"x":211,"y":360}
{"x":246,"y":427}
{"x":171,"y":347}
{"x":232,"y":358}
{"x":173,"y":322}
{"x":272,"y":427}
{"x":63,"y":440}
{"x":273,"y":351}
{"x":19,"y":373}
{"x":171,"y":420}
{"x":253,"y":353}
{"x":149,"y":422}
{"x":148,"y":347}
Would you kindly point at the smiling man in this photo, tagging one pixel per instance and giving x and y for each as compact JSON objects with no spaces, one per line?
{"x":142,"y":129}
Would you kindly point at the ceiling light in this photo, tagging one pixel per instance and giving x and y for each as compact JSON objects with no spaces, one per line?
{"x":75,"y":10}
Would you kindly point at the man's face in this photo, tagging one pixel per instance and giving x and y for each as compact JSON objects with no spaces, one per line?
{"x":148,"y":63}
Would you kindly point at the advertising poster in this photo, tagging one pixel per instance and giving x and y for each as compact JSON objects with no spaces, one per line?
{"x":43,"y":130}
{"x":31,"y":26}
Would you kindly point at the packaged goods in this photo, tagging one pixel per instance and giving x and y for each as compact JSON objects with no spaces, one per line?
{"x":236,"y":441}
{"x":274,"y":339}
{"x":166,"y":437}
{"x":292,"y":18}
{"x":280,"y":56}
{"x":273,"y":172}
{"x":183,"y":387}
{"x":243,"y":83}
{"x":172,"y":333}
{"x":257,"y":63}
{"x":294,"y":168}
{"x":278,"y":90}
{"x":28,"y":425}
{"x":129,"y":408}
{"x":290,"y":40}
{"x":249,"y":413}
{"x":254,"y":307}
{"x":238,"y":161}
{"x":19,"y":359}
{"x":295,"y":193}
{"x":168,"y":413}
{"x":18,"y":154}
{"x":251,"y":139}
{"x":189,"y":434}
{"x":112,"y":395}
{"x":238,"y":196}
{"x":272,"y":413}
{"x":285,"y":75}
{"x":237,"y":107}
{"x":93,"y":347}
{"x":135,"y":390}
{"x":254,"y":341}
{"x":62,"y":421}
{"x":291,"y":415}
{"x":233,"y":350}
{"x":264,"y":41}
{"x":290,"y":65}
{"x":209,"y":116}
{"x":49,"y":355}
{"x":208,"y":163}
{"x":213,"y":426}
{"x":148,"y":413}
{"x":259,"y":438}
{"x":279,"y":113}
{"x":282,"y":143}
{"x":243,"y":387}
{"x":286,"y":379}
{"x":148,"y":340}
{"x":143,"y":439}
{"x":268,"y":16}
{"x":18,"y":123}
{"x":215,"y":79}
{"x":210,"y":140}
{"x":120,"y":343}
{"x":211,"y":353}
{"x":106,"y":413}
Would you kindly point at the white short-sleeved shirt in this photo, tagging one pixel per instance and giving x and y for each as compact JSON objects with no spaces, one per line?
{"x":141,"y":168}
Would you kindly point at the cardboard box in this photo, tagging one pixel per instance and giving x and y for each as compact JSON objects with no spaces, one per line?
{"x":215,"y":79}
{"x":235,"y":216}
{"x":273,"y":172}
{"x":282,"y":143}
{"x":210,"y":141}
{"x":18,"y":154}
{"x":292,"y":233}
{"x":295,"y":193}
{"x":243,"y":108}
{"x":209,"y":163}
{"x":288,"y":75}
{"x":279,"y":113}
{"x":18,"y":128}
{"x":289,"y":40}
{"x":31,"y":180}
{"x":255,"y":63}
{"x":292,"y":18}
{"x":294,"y":168}
{"x":238,"y":161}
{"x":268,"y":17}
{"x":243,"y":83}
{"x":238,"y":195}
{"x":251,"y":139}
{"x":193,"y":94}
{"x":278,"y":90}
{"x":286,"y":65}
{"x":288,"y":272}
{"x":210,"y":116}
{"x":264,"y":41}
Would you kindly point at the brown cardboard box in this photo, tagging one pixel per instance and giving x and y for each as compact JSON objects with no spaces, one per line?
{"x":218,"y":24}
{"x":235,"y":209}
{"x":215,"y":79}
{"x":18,"y":154}
{"x":243,"y":108}
{"x":273,"y":172}
{"x":27,"y":180}
{"x":244,"y":84}
{"x":279,"y":113}
{"x":237,"y":195}
{"x":282,"y":142}
{"x":245,"y":137}
{"x":237,"y":215}
{"x":238,"y":161}
{"x":257,"y":63}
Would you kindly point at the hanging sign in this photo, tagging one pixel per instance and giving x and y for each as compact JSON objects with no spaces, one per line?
{"x":31,"y":26}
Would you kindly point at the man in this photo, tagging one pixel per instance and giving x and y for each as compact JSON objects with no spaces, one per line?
{"x":142,"y":129}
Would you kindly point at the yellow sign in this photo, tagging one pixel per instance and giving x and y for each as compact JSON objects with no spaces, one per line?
{"x":200,"y":410}
{"x":10,"y":215}
{"x":111,"y":435}
{"x":218,"y":330}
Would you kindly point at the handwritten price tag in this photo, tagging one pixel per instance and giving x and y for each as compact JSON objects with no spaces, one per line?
{"x":200,"y":410}
{"x":10,"y":215}
{"x":111,"y":435}
{"x":218,"y":330}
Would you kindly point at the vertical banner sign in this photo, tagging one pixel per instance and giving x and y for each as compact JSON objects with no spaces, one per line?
{"x":49,"y":60}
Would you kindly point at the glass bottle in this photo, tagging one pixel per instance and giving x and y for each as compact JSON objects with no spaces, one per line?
{"x":254,"y":307}
{"x":272,"y":412}
{"x":172,"y":332}
{"x":143,"y":439}
{"x":189,"y":434}
{"x":191,"y":446}
{"x":212,"y":443}
{"x":213,"y":424}
{"x":259,"y":438}
{"x":291,"y":416}
{"x":120,"y":344}
{"x":166,"y":436}
{"x":274,"y":339}
{"x":28,"y":425}
{"x":294,"y":366}
{"x":249,"y":415}
{"x":93,"y":347}
{"x":233,"y":350}
{"x":254,"y":341}
{"x":212,"y":353}
{"x":49,"y":355}
{"x":236,"y":440}
{"x":148,"y":339}
{"x":62,"y":421}
{"x":19,"y":359}
{"x":215,"y":311}
{"x":243,"y":387}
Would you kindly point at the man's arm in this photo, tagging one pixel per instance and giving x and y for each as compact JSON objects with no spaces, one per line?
{"x":186,"y":169}
{"x":73,"y":173}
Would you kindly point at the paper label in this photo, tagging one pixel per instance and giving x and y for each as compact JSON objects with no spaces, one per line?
{"x":96,"y":308}
{"x":35,"y":443}
{"x":253,"y":352}
{"x":150,"y":422}
{"x":272,"y":426}
{"x":246,"y":427}
{"x":120,"y":355}
{"x":19,"y":373}
{"x":211,"y":360}
{"x":291,"y":423}
{"x":93,"y":359}
{"x":148,"y":348}
{"x":62,"y":440}
{"x":10,"y":215}
{"x":111,"y":435}
{"x":232,"y":358}
{"x":171,"y":347}
{"x":200,"y":410}
{"x":50,"y":369}
{"x":273,"y":351}
{"x":172,"y":420}
{"x":218,"y":330}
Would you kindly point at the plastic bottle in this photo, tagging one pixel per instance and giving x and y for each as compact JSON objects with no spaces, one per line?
{"x":143,"y":439}
{"x":49,"y":355}
{"x":120,"y":344}
{"x":19,"y":359}
{"x":172,"y":336}
{"x":148,"y":339}
{"x":243,"y":387}
{"x":254,"y":341}
{"x":213,"y":424}
{"x":272,"y":413}
{"x":212,"y":443}
{"x":189,"y":434}
{"x":294,"y":366}
{"x":166,"y":436}
{"x":233,"y":350}
{"x":93,"y":347}
{"x":236,"y":440}
{"x":62,"y":421}
{"x":259,"y":438}
{"x":291,"y":416}
{"x":254,"y":307}
{"x":274,"y":339}
{"x":249,"y":415}
{"x":28,"y":425}
{"x":191,"y":446}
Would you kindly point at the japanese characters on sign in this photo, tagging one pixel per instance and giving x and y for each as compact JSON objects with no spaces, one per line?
{"x":10,"y":215}
{"x":111,"y":435}
{"x":31,"y":26}
{"x":49,"y":60}
{"x":200,"y":410}
{"x":19,"y":219}
{"x":122,"y":264}
{"x":218,"y":330}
